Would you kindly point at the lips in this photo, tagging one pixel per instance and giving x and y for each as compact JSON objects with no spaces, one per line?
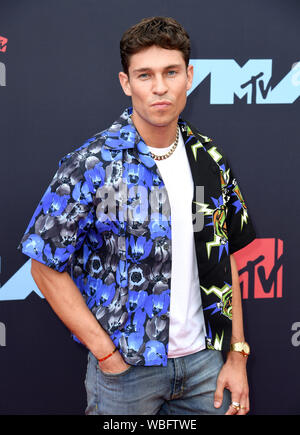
{"x":161,"y":104}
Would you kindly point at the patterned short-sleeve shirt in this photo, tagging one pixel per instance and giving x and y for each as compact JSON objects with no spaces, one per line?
{"x":106,"y":219}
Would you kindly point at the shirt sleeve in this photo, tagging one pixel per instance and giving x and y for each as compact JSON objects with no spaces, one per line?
{"x":240,"y":229}
{"x":61,"y":220}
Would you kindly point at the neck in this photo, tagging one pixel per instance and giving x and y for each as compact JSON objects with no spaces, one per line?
{"x":156,"y":136}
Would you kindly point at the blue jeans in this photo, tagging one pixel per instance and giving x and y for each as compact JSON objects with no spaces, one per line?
{"x":186,"y":386}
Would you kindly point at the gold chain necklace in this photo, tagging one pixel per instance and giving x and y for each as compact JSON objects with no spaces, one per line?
{"x":171,"y":150}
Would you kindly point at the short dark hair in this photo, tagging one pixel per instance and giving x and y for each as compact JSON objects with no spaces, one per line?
{"x":164,"y":32}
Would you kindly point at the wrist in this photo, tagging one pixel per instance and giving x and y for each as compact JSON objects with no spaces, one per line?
{"x":102,"y":347}
{"x":104,"y":358}
{"x":236,"y":357}
{"x":238,"y":338}
{"x":241,"y":348}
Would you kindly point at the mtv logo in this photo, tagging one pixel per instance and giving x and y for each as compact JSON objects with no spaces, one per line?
{"x":253,"y":81}
{"x":261,"y":269}
{"x":3,"y":44}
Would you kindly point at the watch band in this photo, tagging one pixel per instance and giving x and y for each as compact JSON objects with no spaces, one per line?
{"x":241,"y":347}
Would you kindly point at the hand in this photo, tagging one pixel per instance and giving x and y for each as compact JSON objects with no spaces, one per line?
{"x":114,"y":364}
{"x":233,"y":376}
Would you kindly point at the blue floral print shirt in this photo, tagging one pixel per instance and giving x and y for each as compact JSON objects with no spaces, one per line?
{"x":106,"y":220}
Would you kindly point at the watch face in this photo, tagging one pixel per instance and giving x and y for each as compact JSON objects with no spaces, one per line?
{"x":238,"y":347}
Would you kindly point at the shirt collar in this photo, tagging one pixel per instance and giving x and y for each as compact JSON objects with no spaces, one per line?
{"x":122,"y":134}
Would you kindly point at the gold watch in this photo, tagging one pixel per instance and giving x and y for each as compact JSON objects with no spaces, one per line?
{"x":241,"y":347}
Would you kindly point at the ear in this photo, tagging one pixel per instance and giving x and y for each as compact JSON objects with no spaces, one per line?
{"x":190,"y":75}
{"x":124,"y":81}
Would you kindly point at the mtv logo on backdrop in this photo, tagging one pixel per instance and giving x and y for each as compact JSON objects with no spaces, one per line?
{"x":253,"y":80}
{"x":3,"y":44}
{"x":261,"y":269}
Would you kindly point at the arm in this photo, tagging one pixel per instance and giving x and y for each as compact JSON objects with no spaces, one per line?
{"x":68,"y":303}
{"x":233,"y":375}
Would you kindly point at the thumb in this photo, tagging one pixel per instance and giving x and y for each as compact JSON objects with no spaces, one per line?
{"x":218,"y":398}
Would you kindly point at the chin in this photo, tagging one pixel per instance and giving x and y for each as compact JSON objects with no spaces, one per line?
{"x":162,"y":121}
{"x":156,"y":120}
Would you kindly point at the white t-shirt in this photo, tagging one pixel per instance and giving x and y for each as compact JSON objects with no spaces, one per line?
{"x":187,"y":327}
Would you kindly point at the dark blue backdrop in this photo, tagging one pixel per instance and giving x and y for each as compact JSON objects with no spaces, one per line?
{"x":61,"y":86}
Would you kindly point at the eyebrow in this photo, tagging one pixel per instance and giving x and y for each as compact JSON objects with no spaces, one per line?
{"x":139,"y":70}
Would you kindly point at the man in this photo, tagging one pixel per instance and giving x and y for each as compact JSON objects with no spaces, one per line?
{"x":132,"y":246}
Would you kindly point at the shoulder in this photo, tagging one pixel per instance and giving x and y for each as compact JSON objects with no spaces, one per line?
{"x":103,"y":146}
{"x":84,"y":169}
{"x":79,"y":156}
{"x":78,"y":169}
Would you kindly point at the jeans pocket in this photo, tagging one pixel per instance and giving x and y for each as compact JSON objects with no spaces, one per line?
{"x":114,"y":375}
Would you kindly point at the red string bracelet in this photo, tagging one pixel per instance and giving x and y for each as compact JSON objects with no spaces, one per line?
{"x":107,"y":356}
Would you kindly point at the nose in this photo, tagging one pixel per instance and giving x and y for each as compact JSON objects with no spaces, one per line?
{"x":159,"y":86}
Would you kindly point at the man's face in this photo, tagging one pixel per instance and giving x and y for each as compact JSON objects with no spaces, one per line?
{"x":157,"y":83}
